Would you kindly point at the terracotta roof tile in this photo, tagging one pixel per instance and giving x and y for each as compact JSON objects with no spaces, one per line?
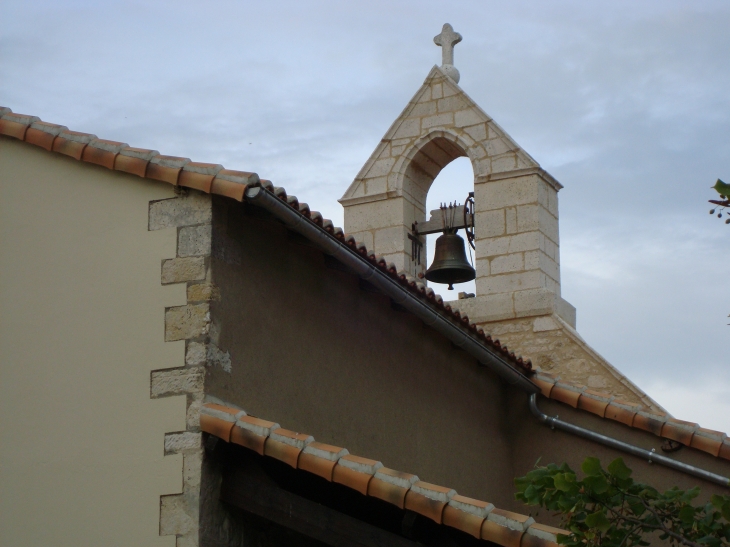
{"x":567,"y":393}
{"x":218,"y":420}
{"x":15,"y":125}
{"x":505,"y":527}
{"x":166,"y":168}
{"x":355,"y":472}
{"x":594,"y":402}
{"x":649,"y":421}
{"x":102,"y":152}
{"x":725,"y":449}
{"x":369,"y":477}
{"x":467,"y":514}
{"x":199,"y":175}
{"x":708,"y":440}
{"x":679,"y":431}
{"x":545,"y":383}
{"x":541,"y":535}
{"x":622,"y":411}
{"x":233,"y":184}
{"x":134,"y":160}
{"x":285,"y":445}
{"x":391,"y":486}
{"x":428,"y":500}
{"x":661,"y":425}
{"x":320,"y":459}
{"x":43,"y":134}
{"x":252,"y":432}
{"x":72,"y":143}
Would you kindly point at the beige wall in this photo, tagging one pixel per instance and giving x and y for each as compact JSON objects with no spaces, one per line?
{"x":81,"y":327}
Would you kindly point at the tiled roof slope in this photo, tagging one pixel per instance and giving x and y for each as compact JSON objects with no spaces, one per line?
{"x":607,"y":406}
{"x":215,"y":179}
{"x":335,"y":464}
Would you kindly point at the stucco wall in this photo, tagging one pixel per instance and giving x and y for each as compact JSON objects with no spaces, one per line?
{"x":313,"y":351}
{"x":305,"y":345}
{"x":81,"y":327}
{"x":533,"y":441}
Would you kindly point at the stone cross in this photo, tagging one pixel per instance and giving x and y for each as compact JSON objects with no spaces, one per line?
{"x":447,"y":40}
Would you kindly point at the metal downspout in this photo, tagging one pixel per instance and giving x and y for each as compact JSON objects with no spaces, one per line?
{"x":297,"y":222}
{"x":651,"y":456}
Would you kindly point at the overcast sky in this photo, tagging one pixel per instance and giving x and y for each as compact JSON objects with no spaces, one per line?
{"x":627,"y":104}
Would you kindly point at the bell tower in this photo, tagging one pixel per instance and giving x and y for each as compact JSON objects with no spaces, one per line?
{"x":516,"y":205}
{"x":517,"y":261}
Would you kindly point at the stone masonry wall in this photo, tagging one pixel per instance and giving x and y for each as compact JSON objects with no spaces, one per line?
{"x":191,"y":215}
{"x":556,"y":348}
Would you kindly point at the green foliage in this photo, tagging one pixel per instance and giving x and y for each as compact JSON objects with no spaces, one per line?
{"x":607,"y":508}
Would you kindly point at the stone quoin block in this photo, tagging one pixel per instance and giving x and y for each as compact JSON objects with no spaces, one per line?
{"x":195,"y":208}
{"x":508,"y":192}
{"x":184,"y":322}
{"x":196,"y":353}
{"x":177,"y":270}
{"x":174,"y":519}
{"x":203,"y":292}
{"x":184,"y":441}
{"x":195,"y":241}
{"x":177,"y":382}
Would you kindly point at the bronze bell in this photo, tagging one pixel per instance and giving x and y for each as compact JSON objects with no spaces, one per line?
{"x":449,"y":261}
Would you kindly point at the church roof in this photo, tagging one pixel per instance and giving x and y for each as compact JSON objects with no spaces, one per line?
{"x":369,"y":477}
{"x":215,"y":179}
{"x":609,"y":407}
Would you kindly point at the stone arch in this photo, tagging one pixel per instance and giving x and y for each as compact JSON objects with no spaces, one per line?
{"x":414,"y":172}
{"x":439,"y":124}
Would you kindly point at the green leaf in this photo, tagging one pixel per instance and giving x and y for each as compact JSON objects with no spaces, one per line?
{"x":564,"y":482}
{"x":591,"y":466}
{"x":725,"y":511}
{"x":618,"y":468}
{"x":717,"y":501}
{"x":599,"y":521}
{"x":687,"y":514}
{"x":597,"y":483}
{"x":537,"y":474}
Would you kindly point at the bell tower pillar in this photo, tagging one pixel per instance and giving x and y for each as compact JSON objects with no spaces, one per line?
{"x":517,"y":246}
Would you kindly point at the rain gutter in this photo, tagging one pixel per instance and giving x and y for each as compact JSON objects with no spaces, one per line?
{"x":326,"y":242}
{"x":650,"y":456}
